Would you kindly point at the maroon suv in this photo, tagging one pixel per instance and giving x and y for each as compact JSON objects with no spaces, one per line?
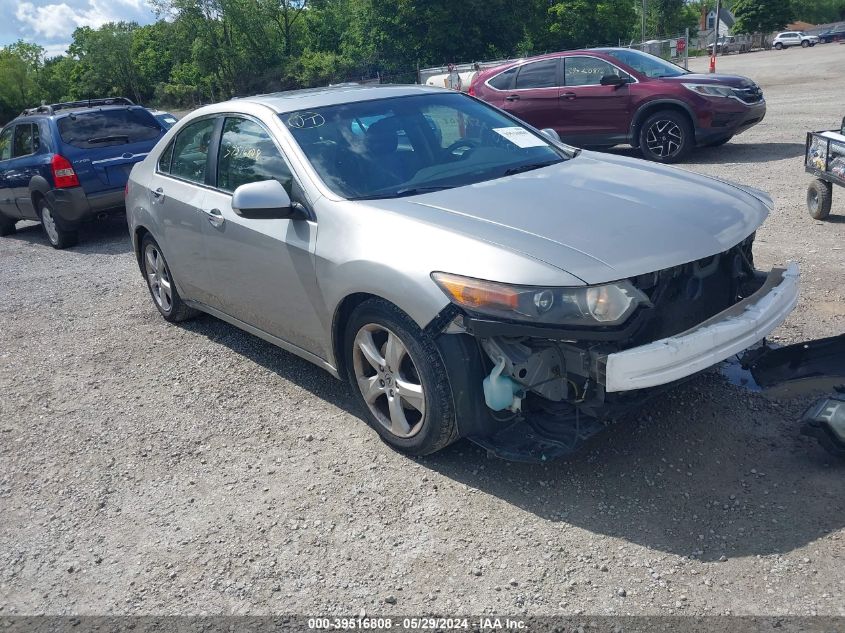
{"x":610,"y":96}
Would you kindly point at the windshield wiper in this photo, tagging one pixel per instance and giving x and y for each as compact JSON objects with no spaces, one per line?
{"x":401,"y":193}
{"x":529,"y":167}
{"x":108,"y":139}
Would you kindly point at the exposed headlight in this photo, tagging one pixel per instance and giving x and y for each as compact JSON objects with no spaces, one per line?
{"x":608,"y":304}
{"x":711,"y":90}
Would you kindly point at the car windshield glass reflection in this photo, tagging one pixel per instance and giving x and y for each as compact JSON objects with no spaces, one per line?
{"x":405,"y":146}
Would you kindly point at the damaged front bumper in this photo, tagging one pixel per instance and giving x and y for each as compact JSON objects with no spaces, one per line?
{"x":720,"y":337}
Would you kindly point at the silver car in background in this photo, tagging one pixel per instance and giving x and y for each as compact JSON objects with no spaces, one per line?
{"x":469,"y":275}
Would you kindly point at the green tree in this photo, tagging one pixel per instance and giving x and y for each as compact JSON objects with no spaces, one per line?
{"x":580,"y":23}
{"x":762,"y":16}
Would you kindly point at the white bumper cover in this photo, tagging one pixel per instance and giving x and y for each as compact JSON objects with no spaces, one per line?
{"x":718,"y":338}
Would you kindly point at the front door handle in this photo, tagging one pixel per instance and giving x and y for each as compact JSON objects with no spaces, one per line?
{"x":158,"y":195}
{"x":215,"y":217}
{"x":568,"y":95}
{"x":512,"y":98}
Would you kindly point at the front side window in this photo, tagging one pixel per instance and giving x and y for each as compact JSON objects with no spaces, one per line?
{"x":6,"y":144}
{"x":105,"y":128}
{"x":190,"y":151}
{"x":407,"y":145}
{"x":587,"y":71}
{"x":648,"y":65}
{"x":247,"y":154}
{"x":23,"y":140}
{"x":537,"y":75}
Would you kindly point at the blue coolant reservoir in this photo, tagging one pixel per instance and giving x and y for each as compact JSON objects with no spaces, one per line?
{"x":500,"y":391}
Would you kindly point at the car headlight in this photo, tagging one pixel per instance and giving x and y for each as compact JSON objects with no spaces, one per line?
{"x":608,"y":304}
{"x":711,"y":90}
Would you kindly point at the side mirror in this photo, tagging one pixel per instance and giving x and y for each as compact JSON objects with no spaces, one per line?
{"x":265,"y":200}
{"x":613,"y":80}
{"x":550,"y":134}
{"x":842,"y":129}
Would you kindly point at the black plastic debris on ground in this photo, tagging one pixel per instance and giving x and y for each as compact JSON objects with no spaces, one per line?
{"x":801,"y":368}
{"x":825,"y":421}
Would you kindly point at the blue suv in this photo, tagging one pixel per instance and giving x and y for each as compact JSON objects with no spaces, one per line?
{"x":65,"y":163}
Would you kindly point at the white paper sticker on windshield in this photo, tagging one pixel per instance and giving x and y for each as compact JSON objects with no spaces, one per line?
{"x":520,"y":136}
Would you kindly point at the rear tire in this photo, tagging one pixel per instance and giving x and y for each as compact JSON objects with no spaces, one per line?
{"x":819,"y":199}
{"x":666,"y":137}
{"x":161,"y":285}
{"x":7,"y":226}
{"x":58,"y":236}
{"x":399,"y":379}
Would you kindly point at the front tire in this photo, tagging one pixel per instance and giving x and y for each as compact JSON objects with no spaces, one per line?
{"x":160,"y":283}
{"x":778,"y":46}
{"x":58,"y":236}
{"x":400,"y":379}
{"x":819,"y":199}
{"x":666,"y":137}
{"x":805,"y":44}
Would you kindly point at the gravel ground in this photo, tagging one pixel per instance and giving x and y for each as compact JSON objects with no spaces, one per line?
{"x":155,"y":469}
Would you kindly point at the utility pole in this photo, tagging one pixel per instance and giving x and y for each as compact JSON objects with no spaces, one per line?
{"x":715,"y":37}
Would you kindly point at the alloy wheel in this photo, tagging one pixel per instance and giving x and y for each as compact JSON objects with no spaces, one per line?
{"x":664,"y":138}
{"x":158,"y":276}
{"x":389,"y":380}
{"x":49,"y":224}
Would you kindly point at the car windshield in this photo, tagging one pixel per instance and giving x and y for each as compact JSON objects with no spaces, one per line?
{"x":104,"y":128}
{"x":648,"y":65}
{"x":402,"y":146}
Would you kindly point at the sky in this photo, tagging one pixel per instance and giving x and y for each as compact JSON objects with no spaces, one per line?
{"x":51,"y":23}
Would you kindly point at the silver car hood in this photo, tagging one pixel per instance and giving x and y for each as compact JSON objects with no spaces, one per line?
{"x":598,"y":217}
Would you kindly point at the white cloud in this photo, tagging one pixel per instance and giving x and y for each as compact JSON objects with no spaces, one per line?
{"x":54,"y":50}
{"x":58,"y":21}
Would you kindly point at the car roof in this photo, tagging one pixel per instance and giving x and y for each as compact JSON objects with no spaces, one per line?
{"x":307,"y":98}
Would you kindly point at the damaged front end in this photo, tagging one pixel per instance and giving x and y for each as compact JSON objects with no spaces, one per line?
{"x":549,"y":387}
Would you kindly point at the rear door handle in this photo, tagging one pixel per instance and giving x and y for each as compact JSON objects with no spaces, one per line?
{"x":568,"y":95}
{"x":158,"y":194}
{"x":512,"y":98}
{"x":215,"y":217}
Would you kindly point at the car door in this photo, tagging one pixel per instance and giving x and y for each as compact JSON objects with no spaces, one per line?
{"x":534,"y":98}
{"x":593,"y":114}
{"x":25,"y":165}
{"x":7,"y":195}
{"x":177,"y":194}
{"x":262,"y":270}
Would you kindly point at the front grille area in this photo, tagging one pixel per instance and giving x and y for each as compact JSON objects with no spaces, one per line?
{"x":684,"y":296}
{"x":749,"y":95}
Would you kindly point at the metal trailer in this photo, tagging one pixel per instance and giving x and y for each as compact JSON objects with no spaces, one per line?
{"x":824,"y":158}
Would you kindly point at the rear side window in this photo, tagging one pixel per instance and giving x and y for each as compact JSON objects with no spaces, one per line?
{"x":190,"y":151}
{"x":106,"y":128}
{"x":22,"y":144}
{"x":505,"y":80}
{"x":6,"y":144}
{"x":537,"y":75}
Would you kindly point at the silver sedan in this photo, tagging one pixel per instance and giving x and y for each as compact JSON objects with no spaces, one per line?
{"x":469,"y":275}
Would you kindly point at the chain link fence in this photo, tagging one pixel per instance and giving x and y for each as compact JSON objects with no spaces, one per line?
{"x":673,"y":48}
